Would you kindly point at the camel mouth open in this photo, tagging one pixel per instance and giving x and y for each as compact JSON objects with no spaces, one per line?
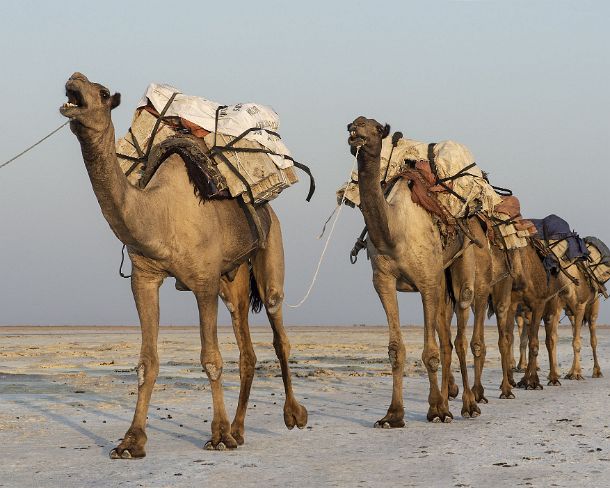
{"x":75,"y":100}
{"x":355,"y":140}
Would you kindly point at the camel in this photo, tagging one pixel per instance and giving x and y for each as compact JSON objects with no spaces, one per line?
{"x":539,"y":293}
{"x":590,"y":319}
{"x":493,"y":278}
{"x":404,"y":245}
{"x":581,"y":303}
{"x":169,"y":231}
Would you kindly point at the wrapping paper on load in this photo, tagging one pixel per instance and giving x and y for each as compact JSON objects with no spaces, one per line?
{"x":232,"y":120}
{"x":265,"y":178}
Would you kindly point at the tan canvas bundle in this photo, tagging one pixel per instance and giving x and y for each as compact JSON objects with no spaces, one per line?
{"x":458,"y":196}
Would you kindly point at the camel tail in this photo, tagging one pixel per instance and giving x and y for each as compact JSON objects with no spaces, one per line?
{"x":490,"y":307}
{"x":256,"y":302}
{"x":449,"y":284}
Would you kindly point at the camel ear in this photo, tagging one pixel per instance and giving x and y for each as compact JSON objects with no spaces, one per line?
{"x":116,"y":101}
{"x":384,"y":131}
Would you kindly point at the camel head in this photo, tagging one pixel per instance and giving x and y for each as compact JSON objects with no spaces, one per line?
{"x":367,"y":134}
{"x":89,"y":105}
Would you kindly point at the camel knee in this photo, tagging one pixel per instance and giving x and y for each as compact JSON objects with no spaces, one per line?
{"x":396,"y":353}
{"x":576,"y":345}
{"x":466,"y":296}
{"x":273,"y":300}
{"x":431,"y":360}
{"x":227,"y":301}
{"x":212,"y":364}
{"x":477,"y":348}
{"x":147,"y":369}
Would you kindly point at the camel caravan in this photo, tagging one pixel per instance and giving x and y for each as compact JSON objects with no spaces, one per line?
{"x":188,"y":189}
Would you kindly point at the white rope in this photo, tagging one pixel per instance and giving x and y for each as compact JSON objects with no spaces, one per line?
{"x":34,"y":145}
{"x":330,"y":234}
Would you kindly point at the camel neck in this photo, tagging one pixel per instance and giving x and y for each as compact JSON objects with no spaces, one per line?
{"x":109,"y":183}
{"x":372,"y":201}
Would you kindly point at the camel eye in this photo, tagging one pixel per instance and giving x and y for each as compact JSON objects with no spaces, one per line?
{"x":105,"y":94}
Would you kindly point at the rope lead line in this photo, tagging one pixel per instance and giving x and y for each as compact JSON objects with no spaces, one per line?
{"x":34,"y":145}
{"x":330,"y":234}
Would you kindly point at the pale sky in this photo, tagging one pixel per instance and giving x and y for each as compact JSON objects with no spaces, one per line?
{"x":524,"y":84}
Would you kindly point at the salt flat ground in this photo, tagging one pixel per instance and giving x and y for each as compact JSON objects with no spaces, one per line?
{"x":67,"y":396}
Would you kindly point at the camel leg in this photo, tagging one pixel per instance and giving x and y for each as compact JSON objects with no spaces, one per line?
{"x":236,"y":298}
{"x":510,"y":340}
{"x":463,"y":291}
{"x":576,"y":370}
{"x":530,"y":379}
{"x":523,"y":334}
{"x":145,"y":288}
{"x":502,"y":304}
{"x":513,"y":311}
{"x":206,"y":292}
{"x":551,"y":323}
{"x":433,"y":299}
{"x":592,"y":313}
{"x":268,"y":268}
{"x":477,"y":346}
{"x":385,"y":285}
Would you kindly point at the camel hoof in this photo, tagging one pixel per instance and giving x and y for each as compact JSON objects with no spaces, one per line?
{"x":221,"y":446}
{"x":507,"y":396}
{"x":238,"y":438}
{"x":295,"y":414}
{"x":436,"y":420}
{"x":554,"y":383}
{"x":114,"y":454}
{"x":597,"y":374}
{"x":389,"y":424}
{"x":574,"y":376}
{"x":466,"y":415}
{"x":483,"y":400}
{"x":448,"y":419}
